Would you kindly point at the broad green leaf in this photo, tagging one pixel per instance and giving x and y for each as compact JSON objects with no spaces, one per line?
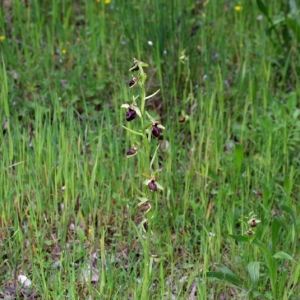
{"x":262,"y":247}
{"x":263,"y":8}
{"x":240,"y":238}
{"x":239,"y":156}
{"x":291,"y":212}
{"x":275,"y":232}
{"x":227,"y":277}
{"x":282,"y":281}
{"x":270,"y":261}
{"x":225,"y":270}
{"x":253,"y":269}
{"x":283,"y":255}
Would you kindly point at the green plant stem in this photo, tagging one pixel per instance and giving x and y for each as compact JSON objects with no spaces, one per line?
{"x":143,"y":104}
{"x":146,"y":276}
{"x":144,"y":165}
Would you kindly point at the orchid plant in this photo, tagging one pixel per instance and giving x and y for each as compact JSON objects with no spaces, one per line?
{"x":148,"y":130}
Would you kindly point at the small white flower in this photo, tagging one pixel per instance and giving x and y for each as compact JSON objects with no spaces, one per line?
{"x":25,"y":282}
{"x":165,"y":52}
{"x":150,"y":43}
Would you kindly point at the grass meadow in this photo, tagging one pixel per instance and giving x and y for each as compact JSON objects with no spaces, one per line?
{"x":76,"y":220}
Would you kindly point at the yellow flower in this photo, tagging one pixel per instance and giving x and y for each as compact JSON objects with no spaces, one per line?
{"x":238,"y":8}
{"x":106,"y":1}
{"x":2,"y":37}
{"x":63,"y":51}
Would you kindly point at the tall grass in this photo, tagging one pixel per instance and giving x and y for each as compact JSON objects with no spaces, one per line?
{"x":69,"y":208}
